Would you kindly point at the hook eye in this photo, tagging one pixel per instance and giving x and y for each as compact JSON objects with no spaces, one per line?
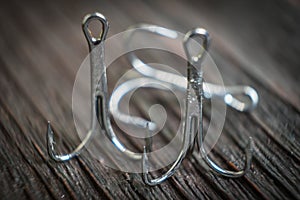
{"x":191,"y":40}
{"x":93,"y":41}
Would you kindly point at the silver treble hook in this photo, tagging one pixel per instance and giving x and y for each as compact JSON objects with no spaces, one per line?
{"x":93,"y":43}
{"x":100,"y":119}
{"x":99,"y":97}
{"x":195,"y":83}
{"x":195,"y":74}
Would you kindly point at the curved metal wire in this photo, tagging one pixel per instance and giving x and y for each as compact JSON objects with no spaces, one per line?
{"x":99,"y":98}
{"x":100,"y":105}
{"x":194,"y":73}
{"x":195,"y":83}
{"x":226,"y":93}
{"x":93,"y":43}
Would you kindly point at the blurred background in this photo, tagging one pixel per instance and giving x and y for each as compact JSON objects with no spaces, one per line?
{"x":42,"y":46}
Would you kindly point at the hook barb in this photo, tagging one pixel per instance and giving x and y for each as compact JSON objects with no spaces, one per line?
{"x":93,"y":43}
{"x":51,"y":146}
{"x":173,"y":168}
{"x":228,"y":173}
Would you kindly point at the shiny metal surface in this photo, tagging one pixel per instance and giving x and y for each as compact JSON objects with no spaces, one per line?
{"x":193,"y":125}
{"x":210,"y":90}
{"x":99,"y":97}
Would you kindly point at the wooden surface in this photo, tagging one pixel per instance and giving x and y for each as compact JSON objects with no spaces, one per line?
{"x":255,"y":42}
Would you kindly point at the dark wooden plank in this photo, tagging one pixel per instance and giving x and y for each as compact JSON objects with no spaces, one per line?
{"x":38,"y":67}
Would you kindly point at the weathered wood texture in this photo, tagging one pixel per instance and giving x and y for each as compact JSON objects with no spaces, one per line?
{"x":256,"y":42}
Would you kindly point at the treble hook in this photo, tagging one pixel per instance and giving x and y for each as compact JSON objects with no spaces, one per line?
{"x":194,"y":73}
{"x":193,"y":126}
{"x":189,"y":125}
{"x":195,"y":83}
{"x":93,"y":43}
{"x":99,"y":97}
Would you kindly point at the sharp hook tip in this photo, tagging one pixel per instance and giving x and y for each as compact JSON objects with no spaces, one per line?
{"x":49,"y":130}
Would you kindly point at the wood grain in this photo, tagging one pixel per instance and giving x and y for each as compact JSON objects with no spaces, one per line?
{"x":42,"y":46}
